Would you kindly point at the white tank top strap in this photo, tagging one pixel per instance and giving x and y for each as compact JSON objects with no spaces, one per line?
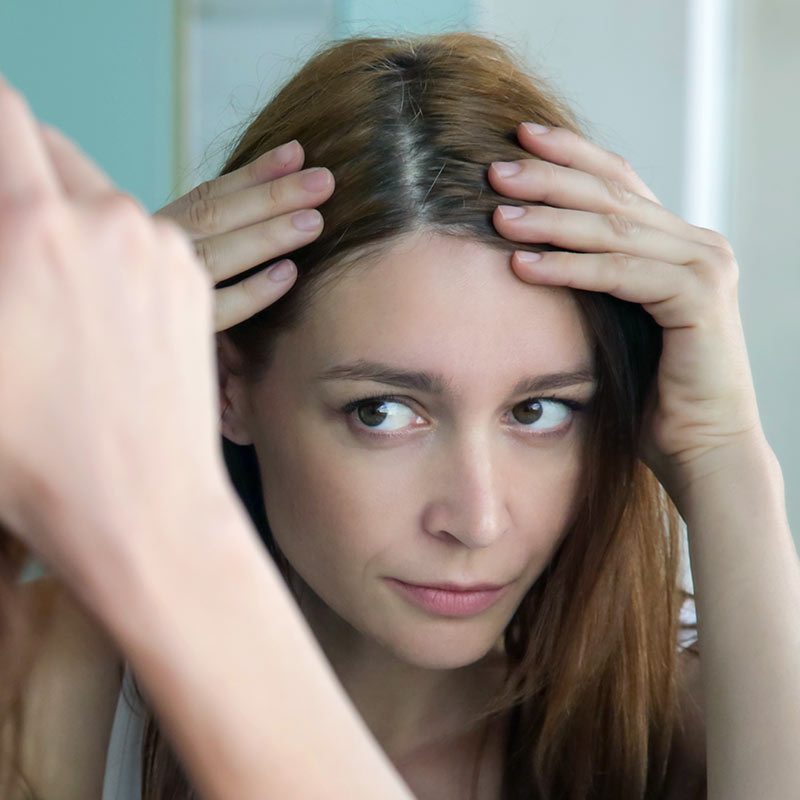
{"x":687,"y":635}
{"x":123,"y":779}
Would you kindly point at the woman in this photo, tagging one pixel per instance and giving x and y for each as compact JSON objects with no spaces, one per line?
{"x":419,"y":414}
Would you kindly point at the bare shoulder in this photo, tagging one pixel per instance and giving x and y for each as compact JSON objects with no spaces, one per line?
{"x":686,"y":776}
{"x":69,"y":700}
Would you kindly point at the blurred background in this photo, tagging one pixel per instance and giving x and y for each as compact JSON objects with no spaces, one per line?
{"x":701,"y":96}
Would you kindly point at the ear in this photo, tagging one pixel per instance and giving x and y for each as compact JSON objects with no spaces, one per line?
{"x":232,"y":392}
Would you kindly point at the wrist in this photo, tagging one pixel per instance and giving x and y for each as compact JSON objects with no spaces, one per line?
{"x":742,"y":471}
{"x":150,"y":561}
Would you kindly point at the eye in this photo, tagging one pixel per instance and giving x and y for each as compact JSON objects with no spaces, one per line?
{"x":550,"y":412}
{"x":382,"y":413}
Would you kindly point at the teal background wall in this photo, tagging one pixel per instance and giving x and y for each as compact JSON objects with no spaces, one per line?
{"x":102,"y":71}
{"x":409,"y":16}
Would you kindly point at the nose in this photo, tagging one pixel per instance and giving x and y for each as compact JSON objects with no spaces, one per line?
{"x":468,"y":496}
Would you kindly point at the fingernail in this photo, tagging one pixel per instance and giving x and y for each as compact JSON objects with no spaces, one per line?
{"x":535,"y":128}
{"x":528,"y":256}
{"x":286,"y":151}
{"x":307,"y":220}
{"x":505,"y":169}
{"x":510,"y":212}
{"x":282,"y":271}
{"x":317,"y":179}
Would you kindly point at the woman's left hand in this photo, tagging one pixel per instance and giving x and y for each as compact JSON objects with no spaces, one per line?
{"x":622,"y":241}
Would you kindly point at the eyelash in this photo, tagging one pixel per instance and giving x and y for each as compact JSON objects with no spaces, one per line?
{"x":354,"y":405}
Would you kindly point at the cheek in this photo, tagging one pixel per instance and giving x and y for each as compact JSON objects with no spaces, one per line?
{"x":325,"y":506}
{"x":545,"y":502}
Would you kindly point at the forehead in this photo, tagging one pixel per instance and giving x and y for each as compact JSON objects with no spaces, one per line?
{"x":446,"y":304}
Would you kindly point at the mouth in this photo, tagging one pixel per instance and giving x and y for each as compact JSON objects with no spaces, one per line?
{"x":445,"y":601}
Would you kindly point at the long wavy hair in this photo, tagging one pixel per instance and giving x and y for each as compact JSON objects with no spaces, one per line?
{"x":409,"y":127}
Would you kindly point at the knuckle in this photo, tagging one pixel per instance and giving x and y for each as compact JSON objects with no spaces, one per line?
{"x":275,"y":193}
{"x":544,"y":177}
{"x":121,"y":210}
{"x":121,"y":206}
{"x":622,"y":225}
{"x":549,"y":216}
{"x":233,"y":304}
{"x":622,"y":165}
{"x":251,"y":295}
{"x":621,"y":195}
{"x":204,"y":216}
{"x":719,"y":272}
{"x":32,"y":219}
{"x":200,"y":193}
{"x":275,"y":237}
{"x":542,"y":170}
{"x":621,"y":262}
{"x":258,"y":169}
{"x":716,"y":239}
{"x":727,"y":268}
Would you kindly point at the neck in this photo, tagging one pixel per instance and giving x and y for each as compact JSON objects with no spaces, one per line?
{"x":410,"y":709}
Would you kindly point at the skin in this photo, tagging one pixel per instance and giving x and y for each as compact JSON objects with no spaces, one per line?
{"x":448,"y":487}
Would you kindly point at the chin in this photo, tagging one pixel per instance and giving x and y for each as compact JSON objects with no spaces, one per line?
{"x":439,"y":650}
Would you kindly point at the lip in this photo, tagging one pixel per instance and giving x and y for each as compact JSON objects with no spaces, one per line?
{"x":457,"y":587}
{"x":448,"y":602}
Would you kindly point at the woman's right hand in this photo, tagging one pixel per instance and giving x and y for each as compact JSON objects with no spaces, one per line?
{"x":247,"y":217}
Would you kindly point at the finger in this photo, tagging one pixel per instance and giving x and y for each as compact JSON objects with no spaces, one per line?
{"x":230,"y":212}
{"x":25,"y":169}
{"x":540,"y":181}
{"x":592,"y":233}
{"x":562,"y":146}
{"x":237,"y":303}
{"x":231,"y":253}
{"x":269,"y":166}
{"x":79,"y":177}
{"x":660,"y":287}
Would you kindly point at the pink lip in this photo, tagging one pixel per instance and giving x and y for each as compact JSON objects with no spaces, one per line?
{"x":458,"y":587}
{"x":450,"y":603}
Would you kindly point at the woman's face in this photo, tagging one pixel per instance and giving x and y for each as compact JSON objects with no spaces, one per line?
{"x":456,"y":475}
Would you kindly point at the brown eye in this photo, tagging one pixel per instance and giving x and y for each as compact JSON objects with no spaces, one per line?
{"x":528,"y":412}
{"x":382,"y":414}
{"x":545,"y":415}
{"x":373,"y":413}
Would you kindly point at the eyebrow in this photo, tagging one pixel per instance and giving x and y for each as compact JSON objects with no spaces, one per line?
{"x":432,"y":383}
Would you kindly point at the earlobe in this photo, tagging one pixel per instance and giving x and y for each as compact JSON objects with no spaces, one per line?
{"x":231,"y":393}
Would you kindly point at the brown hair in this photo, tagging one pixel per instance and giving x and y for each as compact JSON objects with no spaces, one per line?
{"x":24,"y":617}
{"x":409,"y":128}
